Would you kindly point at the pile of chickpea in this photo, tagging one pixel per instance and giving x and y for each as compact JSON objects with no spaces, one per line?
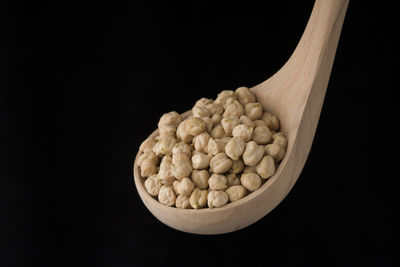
{"x":220,"y":153}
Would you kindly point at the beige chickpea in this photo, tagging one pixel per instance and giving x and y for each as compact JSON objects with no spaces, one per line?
{"x":266,"y":167}
{"x":182,"y":147}
{"x":164,"y":145}
{"x":170,"y":119}
{"x":217,"y":182}
{"x":225,"y":98}
{"x":199,"y":111}
{"x":220,"y":163}
{"x":275,"y":151}
{"x":280,"y":140}
{"x":228,"y":124}
{"x":165,"y":172}
{"x":167,"y":130}
{"x":235,"y":148}
{"x":245,"y":96}
{"x":185,"y":187}
{"x":200,"y":142}
{"x":262,"y":135}
{"x":247,"y":121}
{"x":243,"y":131}
{"x":182,"y":202}
{"x":237,"y":166}
{"x":200,"y":160}
{"x":148,"y":144}
{"x":216,"y":119}
{"x":215,"y":146}
{"x":271,"y":120}
{"x":209,"y":123}
{"x":251,"y":181}
{"x":200,"y":178}
{"x":202,"y":102}
{"x":153,"y":185}
{"x":195,"y":126}
{"x":198,"y":198}
{"x":232,"y":179}
{"x":175,"y":187}
{"x":147,"y":156}
{"x":260,"y":123}
{"x":166,"y":195}
{"x":249,"y":169}
{"x":216,"y":199}
{"x":235,"y":109}
{"x":218,"y":132}
{"x":215,"y":108}
{"x":235,"y":192}
{"x":182,"y":134}
{"x":253,"y":110}
{"x":181,"y":166}
{"x":148,"y":168}
{"x":253,"y":153}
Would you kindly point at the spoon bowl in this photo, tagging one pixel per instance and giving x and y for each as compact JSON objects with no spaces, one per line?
{"x":295,"y":95}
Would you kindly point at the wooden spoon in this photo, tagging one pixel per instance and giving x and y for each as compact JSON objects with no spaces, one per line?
{"x":295,"y":94}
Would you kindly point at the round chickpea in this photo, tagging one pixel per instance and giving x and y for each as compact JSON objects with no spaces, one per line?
{"x":218,"y":132}
{"x":237,"y":166}
{"x":170,"y":119}
{"x":216,"y":118}
{"x":249,"y":169}
{"x":199,"y":111}
{"x":266,"y":167}
{"x":164,"y":145}
{"x":235,"y":192}
{"x":166,"y":195}
{"x":165,"y":172}
{"x":217,"y":182}
{"x":215,"y":108}
{"x":245,"y":96}
{"x":233,"y":179}
{"x":215,"y":146}
{"x":182,"y":147}
{"x":175,"y":187}
{"x":235,"y":148}
{"x":200,"y":160}
{"x":216,"y":199}
{"x":275,"y":151}
{"x":271,"y":120}
{"x":209,"y":123}
{"x":247,"y":121}
{"x":228,"y":124}
{"x":200,"y":178}
{"x":253,"y":153}
{"x":243,"y":132}
{"x":182,"y":202}
{"x":148,"y":144}
{"x":202,"y":102}
{"x":260,"y":123}
{"x":185,"y":187}
{"x":182,"y":134}
{"x":181,"y":166}
{"x":280,"y":140}
{"x":148,"y":168}
{"x":195,"y":126}
{"x":251,"y":181}
{"x":153,"y":185}
{"x":147,"y":156}
{"x":225,"y":98}
{"x":235,"y":109}
{"x":198,"y":198}
{"x":201,"y":142}
{"x":262,"y":135}
{"x":254,"y":110}
{"x":220,"y":163}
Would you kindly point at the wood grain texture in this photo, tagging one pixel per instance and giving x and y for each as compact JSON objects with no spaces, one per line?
{"x":295,"y":94}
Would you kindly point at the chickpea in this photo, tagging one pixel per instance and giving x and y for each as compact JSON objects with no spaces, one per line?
{"x":215,"y":146}
{"x":166,"y":195}
{"x":243,"y":132}
{"x":266,"y":167}
{"x":260,"y":123}
{"x":165,"y":172}
{"x":185,"y":187}
{"x":262,"y":135}
{"x":153,"y":185}
{"x":200,"y":160}
{"x":275,"y":151}
{"x":253,"y":153}
{"x":249,"y":169}
{"x":199,"y":111}
{"x":182,"y":147}
{"x":202,"y":102}
{"x":280,"y":140}
{"x":218,"y":132}
{"x":235,"y":109}
{"x":148,"y":168}
{"x":216,"y":199}
{"x":214,"y":108}
{"x":167,"y":130}
{"x":245,"y":96}
{"x":216,"y":119}
{"x":247,"y":121}
{"x":235,"y":148}
{"x":182,"y":134}
{"x":237,"y":166}
{"x":233,"y":179}
{"x":235,"y":192}
{"x":271,"y":120}
{"x":201,"y":142}
{"x":175,"y":186}
{"x":254,"y":110}
{"x":220,"y":163}
{"x":225,"y":98}
{"x":200,"y":178}
{"x":251,"y":181}
{"x":164,"y":145}
{"x":217,"y":182}
{"x":170,"y":119}
{"x":181,"y":166}
{"x":195,"y":126}
{"x":147,"y":156}
{"x":228,"y":124}
{"x":198,"y":198}
{"x":148,"y":144}
{"x":182,"y":202}
{"x":209,"y":123}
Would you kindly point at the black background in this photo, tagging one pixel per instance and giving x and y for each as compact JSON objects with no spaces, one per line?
{"x":82,"y":84}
